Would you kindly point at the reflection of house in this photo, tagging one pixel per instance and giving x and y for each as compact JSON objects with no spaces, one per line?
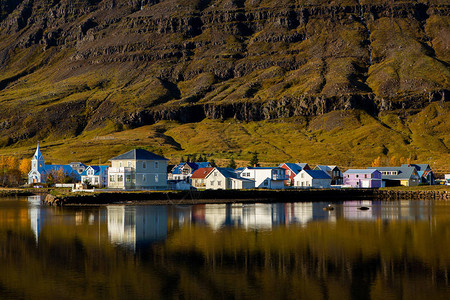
{"x":36,"y":215}
{"x":298,"y":213}
{"x":396,"y":176}
{"x":138,"y":169}
{"x":95,"y":175}
{"x":39,"y":170}
{"x":136,"y":226}
{"x":362,"y":178}
{"x":270,"y":178}
{"x":333,"y":171}
{"x":291,"y":170}
{"x":312,"y":179}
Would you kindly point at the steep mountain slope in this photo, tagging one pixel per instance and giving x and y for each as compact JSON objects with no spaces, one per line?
{"x":73,"y":69}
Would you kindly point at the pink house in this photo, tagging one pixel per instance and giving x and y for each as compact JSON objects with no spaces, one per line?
{"x":362,"y":178}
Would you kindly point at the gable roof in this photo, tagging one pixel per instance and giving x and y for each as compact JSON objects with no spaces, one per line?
{"x":296,"y":168}
{"x":66,"y":168}
{"x":302,"y":165}
{"x":317,"y":174}
{"x":139,"y":154}
{"x":402,"y":172}
{"x":360,"y":171}
{"x":97,"y":170}
{"x":201,"y":173}
{"x":419,"y":167}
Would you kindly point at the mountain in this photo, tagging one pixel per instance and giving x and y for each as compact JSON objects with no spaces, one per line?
{"x":85,"y":69}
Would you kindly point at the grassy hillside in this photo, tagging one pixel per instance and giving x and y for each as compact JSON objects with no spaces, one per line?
{"x":346,"y":138}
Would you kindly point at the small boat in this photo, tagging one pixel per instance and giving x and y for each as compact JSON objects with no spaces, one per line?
{"x":329,"y":207}
{"x":363,"y":208}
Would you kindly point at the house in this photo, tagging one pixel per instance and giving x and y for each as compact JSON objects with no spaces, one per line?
{"x":362,"y":178}
{"x":184,"y":170}
{"x":95,"y":175}
{"x":425,"y":173}
{"x":312,"y":179}
{"x":198,"y":177}
{"x":269,"y":178}
{"x":396,"y":176}
{"x":226,"y":179}
{"x":291,"y":170}
{"x":138,"y":169}
{"x":333,"y":171}
{"x":78,"y":166}
{"x":40,"y":171}
{"x":447,"y":179}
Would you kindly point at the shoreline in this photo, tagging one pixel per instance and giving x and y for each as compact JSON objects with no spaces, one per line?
{"x":239,"y":196}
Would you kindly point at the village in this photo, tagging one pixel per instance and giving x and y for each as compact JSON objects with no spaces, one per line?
{"x":140,"y":169}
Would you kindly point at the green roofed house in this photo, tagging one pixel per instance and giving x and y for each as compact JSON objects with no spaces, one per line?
{"x":138,"y":169}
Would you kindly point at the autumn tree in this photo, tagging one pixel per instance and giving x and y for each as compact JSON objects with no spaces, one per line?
{"x":25,"y":166}
{"x":376,"y":162}
{"x":393,"y":161}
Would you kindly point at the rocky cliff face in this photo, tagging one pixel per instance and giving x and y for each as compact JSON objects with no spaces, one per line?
{"x":136,"y":62}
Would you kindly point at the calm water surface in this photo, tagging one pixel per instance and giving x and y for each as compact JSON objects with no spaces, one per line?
{"x":394,"y":250}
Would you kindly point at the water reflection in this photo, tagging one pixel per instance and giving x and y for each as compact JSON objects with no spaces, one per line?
{"x":136,"y":226}
{"x":238,"y":251}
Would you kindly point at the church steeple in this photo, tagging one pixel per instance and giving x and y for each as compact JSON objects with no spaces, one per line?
{"x":37,"y":162}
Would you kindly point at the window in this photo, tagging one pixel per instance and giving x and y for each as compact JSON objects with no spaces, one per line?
{"x":365,"y":175}
{"x":219,"y":183}
{"x":348,"y":176}
{"x":120,"y":164}
{"x":156,"y":178}
{"x":112,"y":178}
{"x":212,"y":182}
{"x":129,"y":164}
{"x":128,"y":178}
{"x":119,"y":178}
{"x":96,"y":179}
{"x":143,"y":178}
{"x":215,"y":174}
{"x":156,"y":165}
{"x":288,"y":173}
{"x":302,"y":175}
{"x":144,"y":165}
{"x":357,"y":176}
{"x":265,"y":182}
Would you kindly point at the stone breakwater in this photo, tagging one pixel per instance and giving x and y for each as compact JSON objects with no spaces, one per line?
{"x":412,"y":195}
{"x":249,"y":196}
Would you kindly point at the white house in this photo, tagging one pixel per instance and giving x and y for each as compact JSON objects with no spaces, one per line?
{"x":95,"y":175}
{"x":138,"y":169}
{"x":270,"y":178}
{"x":225,"y":179}
{"x":312,"y":179}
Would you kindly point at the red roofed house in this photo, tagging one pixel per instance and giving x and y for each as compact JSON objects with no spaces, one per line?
{"x":198,"y":177}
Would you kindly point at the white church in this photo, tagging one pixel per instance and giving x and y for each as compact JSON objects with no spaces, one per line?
{"x":39,"y":170}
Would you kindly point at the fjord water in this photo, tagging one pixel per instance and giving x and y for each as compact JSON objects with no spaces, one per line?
{"x":393,"y":250}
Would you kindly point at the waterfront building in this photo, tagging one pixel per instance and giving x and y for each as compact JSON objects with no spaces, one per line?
{"x":138,"y":169}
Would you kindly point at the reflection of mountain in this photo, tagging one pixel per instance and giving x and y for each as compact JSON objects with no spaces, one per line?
{"x":36,"y":215}
{"x":136,"y":226}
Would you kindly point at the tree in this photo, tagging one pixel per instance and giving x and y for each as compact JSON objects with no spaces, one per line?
{"x":213,"y":163}
{"x":182,"y":159}
{"x":254,"y":162}
{"x":25,"y":166}
{"x":376,"y":162}
{"x":232,"y":164}
{"x":194,"y":157}
{"x":393,"y":161}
